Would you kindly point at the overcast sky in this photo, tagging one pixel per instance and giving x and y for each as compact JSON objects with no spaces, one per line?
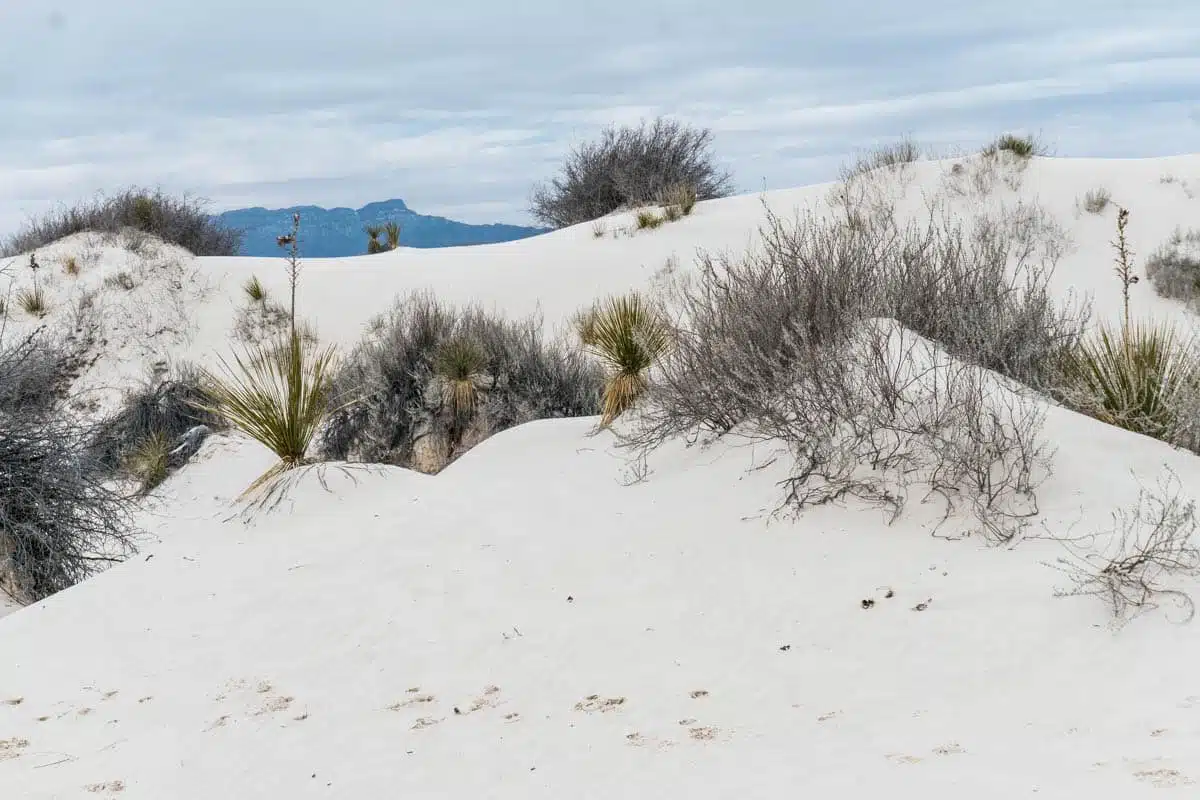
{"x":459,"y":106}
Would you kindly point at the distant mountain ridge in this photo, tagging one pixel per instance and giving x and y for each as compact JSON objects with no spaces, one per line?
{"x":335,"y":232}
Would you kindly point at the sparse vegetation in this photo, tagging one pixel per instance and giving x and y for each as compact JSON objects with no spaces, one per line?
{"x":1096,"y":200}
{"x":166,"y":407}
{"x":182,"y":221}
{"x":120,"y":280}
{"x":888,"y":157}
{"x":1174,"y":268}
{"x":1020,"y":146}
{"x":648,"y":220}
{"x":425,"y":363}
{"x":630,"y":167}
{"x":149,"y":461}
{"x":71,"y":265}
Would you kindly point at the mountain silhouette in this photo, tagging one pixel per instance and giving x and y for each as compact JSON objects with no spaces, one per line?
{"x":333,"y":232}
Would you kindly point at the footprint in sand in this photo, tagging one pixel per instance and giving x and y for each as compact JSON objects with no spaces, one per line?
{"x":951,"y":749}
{"x":418,"y":700}
{"x":594,"y":702}
{"x":489,"y":699}
{"x":15,"y":701}
{"x":111,"y":787}
{"x":11,"y":748}
{"x":900,"y":758}
{"x":704,"y":733}
{"x":426,"y":722}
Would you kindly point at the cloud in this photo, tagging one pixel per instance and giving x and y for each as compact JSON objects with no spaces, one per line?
{"x":459,"y":108}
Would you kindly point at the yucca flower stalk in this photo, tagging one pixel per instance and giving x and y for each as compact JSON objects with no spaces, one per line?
{"x":629,"y":335}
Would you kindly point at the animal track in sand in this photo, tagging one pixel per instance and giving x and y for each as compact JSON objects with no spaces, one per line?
{"x":113,"y":787}
{"x":900,"y":758}
{"x":703,"y":734}
{"x":15,"y":701}
{"x":594,"y":702}
{"x":426,"y":722}
{"x":951,"y":749}
{"x":412,"y":701}
{"x":11,"y":748}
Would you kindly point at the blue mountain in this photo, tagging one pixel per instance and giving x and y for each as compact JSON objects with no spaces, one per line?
{"x":332,"y":232}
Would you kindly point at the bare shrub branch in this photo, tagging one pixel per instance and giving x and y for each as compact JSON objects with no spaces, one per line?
{"x":1147,"y":546}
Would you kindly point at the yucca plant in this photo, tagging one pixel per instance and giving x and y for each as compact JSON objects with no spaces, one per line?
{"x":392,"y":232}
{"x":1132,"y":377}
{"x":277,"y":393}
{"x":148,"y":462}
{"x":373,"y":244}
{"x":255,"y":290}
{"x":460,"y":363}
{"x":33,"y":302}
{"x":629,"y":335}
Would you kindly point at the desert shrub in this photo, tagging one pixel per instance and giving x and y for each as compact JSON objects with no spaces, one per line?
{"x":71,"y":265}
{"x":1096,"y":200}
{"x":426,"y":363}
{"x":629,"y":167}
{"x":182,"y":221}
{"x":1174,"y":268}
{"x":34,"y":373}
{"x":869,"y":349}
{"x":165,"y":407}
{"x":59,"y":521}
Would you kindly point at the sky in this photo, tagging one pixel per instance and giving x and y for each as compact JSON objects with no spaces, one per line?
{"x":459,"y":107}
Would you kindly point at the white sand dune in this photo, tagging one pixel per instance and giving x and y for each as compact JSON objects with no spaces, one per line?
{"x":525,"y":625}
